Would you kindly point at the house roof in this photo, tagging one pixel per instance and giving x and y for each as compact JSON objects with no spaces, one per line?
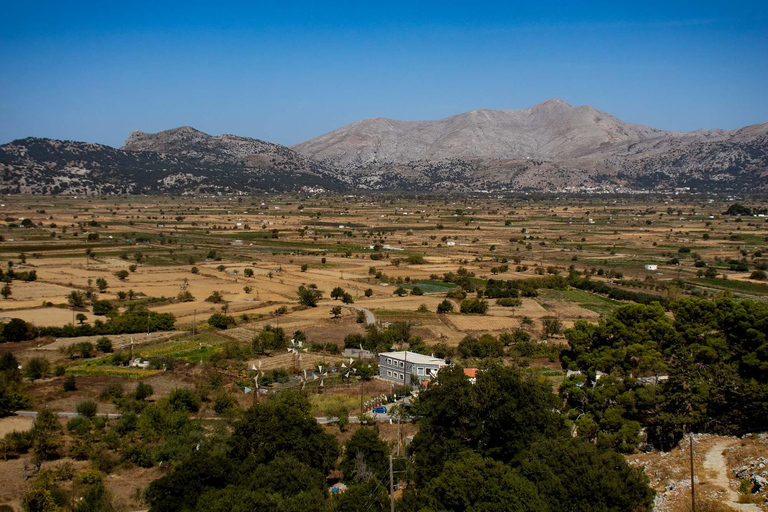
{"x":470,"y":372}
{"x":413,"y":357}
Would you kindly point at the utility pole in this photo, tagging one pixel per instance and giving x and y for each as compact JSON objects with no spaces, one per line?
{"x":360,"y":418}
{"x":693,"y":490}
{"x":391,"y":486}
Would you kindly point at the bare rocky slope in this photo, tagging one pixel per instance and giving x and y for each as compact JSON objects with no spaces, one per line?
{"x":552,"y":130}
{"x":550,"y":147}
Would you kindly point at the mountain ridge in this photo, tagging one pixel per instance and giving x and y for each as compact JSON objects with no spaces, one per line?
{"x":551,"y":146}
{"x":552,"y":130}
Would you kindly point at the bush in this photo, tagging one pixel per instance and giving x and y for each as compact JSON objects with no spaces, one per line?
{"x":69,"y":383}
{"x":417,"y":291}
{"x":79,"y":425}
{"x":112,"y":391}
{"x":86,"y":408}
{"x":220,"y":321}
{"x":143,"y":391}
{"x":103,"y":307}
{"x":474,"y":306}
{"x":445,"y":307}
{"x":415,"y":259}
{"x":215,"y":297}
{"x":184,"y":400}
{"x":224,"y":405}
{"x":104,"y":344}
{"x":36,"y":368}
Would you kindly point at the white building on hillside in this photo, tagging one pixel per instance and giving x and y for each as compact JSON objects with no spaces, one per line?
{"x":399,"y":366}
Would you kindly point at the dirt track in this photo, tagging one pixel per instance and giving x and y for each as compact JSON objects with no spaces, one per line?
{"x":715,"y":465}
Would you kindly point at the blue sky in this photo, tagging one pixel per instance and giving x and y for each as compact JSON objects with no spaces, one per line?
{"x":286,"y":72}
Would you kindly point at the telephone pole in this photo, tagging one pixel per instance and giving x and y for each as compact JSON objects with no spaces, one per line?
{"x":391,"y":486}
{"x":693,"y":489}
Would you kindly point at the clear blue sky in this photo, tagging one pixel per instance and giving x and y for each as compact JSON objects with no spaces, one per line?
{"x":289,"y":71}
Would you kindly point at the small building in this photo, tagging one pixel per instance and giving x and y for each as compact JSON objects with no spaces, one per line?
{"x":653,"y":380}
{"x":138,"y":363}
{"x":399,"y":366}
{"x":471,"y":374}
{"x":651,"y":267}
{"x":357,"y":353}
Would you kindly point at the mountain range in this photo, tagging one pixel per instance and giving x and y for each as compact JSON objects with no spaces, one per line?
{"x":551,"y":146}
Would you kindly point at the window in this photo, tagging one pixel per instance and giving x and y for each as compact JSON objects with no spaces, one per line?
{"x":420,"y":371}
{"x":402,"y":364}
{"x":402,"y":376}
{"x":389,"y":373}
{"x":389,"y":361}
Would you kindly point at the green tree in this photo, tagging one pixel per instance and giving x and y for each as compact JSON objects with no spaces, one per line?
{"x":76,"y":299}
{"x":104,"y":345}
{"x":47,"y":438}
{"x":220,"y":321}
{"x":308,"y":296}
{"x":143,"y":391}
{"x":366,"y":456}
{"x":87,"y":408}
{"x":184,"y":400}
{"x":474,"y":306}
{"x":36,"y":368}
{"x":285,"y":427}
{"x":70,"y":384}
{"x":472,"y":482}
{"x":445,"y":307}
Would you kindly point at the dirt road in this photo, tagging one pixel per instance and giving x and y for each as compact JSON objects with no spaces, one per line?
{"x":715,"y":465}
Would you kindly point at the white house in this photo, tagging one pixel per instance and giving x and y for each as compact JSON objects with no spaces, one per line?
{"x":651,"y":267}
{"x":399,"y":366}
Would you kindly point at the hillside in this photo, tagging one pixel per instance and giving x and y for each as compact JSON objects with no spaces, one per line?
{"x":178,"y":161}
{"x":552,"y":130}
{"x":550,"y":147}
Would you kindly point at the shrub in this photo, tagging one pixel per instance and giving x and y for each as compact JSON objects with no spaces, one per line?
{"x":112,"y":391}
{"x":474,"y":306}
{"x":445,"y":307}
{"x":215,"y":297}
{"x":184,"y":400}
{"x":86,"y":408}
{"x":103,"y":307}
{"x":69,"y":383}
{"x":104,"y":344}
{"x":220,"y":321}
{"x":143,"y":391}
{"x":36,"y":368}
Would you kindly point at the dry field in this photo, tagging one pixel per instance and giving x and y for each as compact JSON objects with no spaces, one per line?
{"x":257,"y":251}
